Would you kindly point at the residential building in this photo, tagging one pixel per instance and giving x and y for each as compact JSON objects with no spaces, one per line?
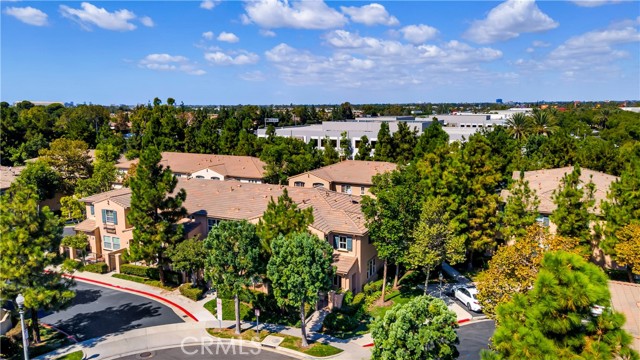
{"x":207,"y":166}
{"x":349,"y":176}
{"x":338,"y":219}
{"x":9,"y":174}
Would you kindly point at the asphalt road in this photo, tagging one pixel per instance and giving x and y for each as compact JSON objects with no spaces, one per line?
{"x":473,"y":338}
{"x":97,"y":311}
{"x":221,"y":352}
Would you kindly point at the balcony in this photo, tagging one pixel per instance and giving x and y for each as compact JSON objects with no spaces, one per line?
{"x":109,"y":228}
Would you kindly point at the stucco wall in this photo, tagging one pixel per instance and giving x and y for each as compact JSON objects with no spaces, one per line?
{"x":309,"y":180}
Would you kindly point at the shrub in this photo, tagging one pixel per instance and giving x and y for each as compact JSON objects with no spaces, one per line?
{"x":98,"y":268}
{"x":338,"y":321}
{"x":190,"y":292}
{"x":358,"y":300}
{"x":142,"y":271}
{"x":371,"y":298}
{"x":348,"y":298}
{"x":8,"y":348}
{"x":372,"y":287}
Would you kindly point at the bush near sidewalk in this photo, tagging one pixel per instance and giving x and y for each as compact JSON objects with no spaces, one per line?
{"x":98,"y":268}
{"x":193,"y":293}
{"x":141,"y":280}
{"x":141,"y":271}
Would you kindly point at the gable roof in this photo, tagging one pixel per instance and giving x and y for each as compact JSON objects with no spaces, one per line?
{"x":545,"y":181}
{"x":351,"y":171}
{"x":226,"y":165}
{"x":120,"y":196}
{"x":8,"y":175}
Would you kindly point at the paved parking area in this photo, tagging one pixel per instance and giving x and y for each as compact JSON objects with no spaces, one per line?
{"x":473,"y":338}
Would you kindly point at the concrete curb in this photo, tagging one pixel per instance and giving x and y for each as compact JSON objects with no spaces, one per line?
{"x":144,"y":293}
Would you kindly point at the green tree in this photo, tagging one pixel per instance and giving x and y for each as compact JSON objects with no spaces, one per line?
{"x":556,"y":319}
{"x":282,"y":218}
{"x":286,"y":157}
{"x":188,"y":256}
{"x":29,"y":245}
{"x":519,"y":125}
{"x":543,"y":122}
{"x":78,"y":241}
{"x":345,"y":146}
{"x":404,"y":143}
{"x":520,"y":211}
{"x":574,"y":200}
{"x":423,"y":328}
{"x":384,"y":145}
{"x":71,"y":208}
{"x":364,"y":150}
{"x":329,"y":154}
{"x":43,"y":177}
{"x":233,"y":259}
{"x":627,"y":249}
{"x":434,"y":240}
{"x":622,"y":206}
{"x":299,"y":268}
{"x":70,"y":158}
{"x":154,"y":214}
{"x":431,"y":139}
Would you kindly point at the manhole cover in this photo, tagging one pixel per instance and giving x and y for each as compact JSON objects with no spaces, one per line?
{"x":146,"y":355}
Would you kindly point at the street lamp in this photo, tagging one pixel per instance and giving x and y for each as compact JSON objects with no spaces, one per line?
{"x":25,"y":335}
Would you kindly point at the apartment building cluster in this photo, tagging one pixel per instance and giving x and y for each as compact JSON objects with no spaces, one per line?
{"x":334,"y":193}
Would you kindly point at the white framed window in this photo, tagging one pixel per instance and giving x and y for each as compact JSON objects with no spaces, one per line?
{"x":318,"y":185}
{"x":342,"y":242}
{"x":371,"y":267}
{"x":92,"y":209}
{"x":346,"y":189}
{"x":199,"y":177}
{"x":109,"y":217}
{"x":106,"y":243}
{"x":361,"y":190}
{"x":543,"y":220}
{"x":298,"y":184}
{"x":211,"y":223}
{"x":116,"y":243}
{"x":215,"y":178}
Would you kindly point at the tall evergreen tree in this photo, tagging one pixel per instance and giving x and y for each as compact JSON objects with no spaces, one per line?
{"x":364,"y":150}
{"x":404,"y":143}
{"x":29,"y":252}
{"x":556,"y":319}
{"x":431,"y":139}
{"x":384,"y":145}
{"x":574,"y":201}
{"x":622,"y":206}
{"x":233,"y":259}
{"x":329,"y":155}
{"x":345,"y":146}
{"x":154,"y":212}
{"x":299,"y":269}
{"x":520,"y":211}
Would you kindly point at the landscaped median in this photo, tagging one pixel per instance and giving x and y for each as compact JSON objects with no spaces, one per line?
{"x":315,"y":349}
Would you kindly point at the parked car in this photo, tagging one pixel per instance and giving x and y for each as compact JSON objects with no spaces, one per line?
{"x":467,"y":296}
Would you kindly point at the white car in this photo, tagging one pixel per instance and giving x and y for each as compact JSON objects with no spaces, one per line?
{"x":467,"y":296}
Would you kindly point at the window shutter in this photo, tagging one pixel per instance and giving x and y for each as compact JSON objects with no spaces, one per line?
{"x":104,"y":216}
{"x":336,"y":241}
{"x":115,"y":217}
{"x":349,"y":244}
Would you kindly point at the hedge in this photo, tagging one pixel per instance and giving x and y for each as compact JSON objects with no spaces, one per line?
{"x":98,"y":268}
{"x":141,"y":271}
{"x":190,"y":292}
{"x":337,"y":321}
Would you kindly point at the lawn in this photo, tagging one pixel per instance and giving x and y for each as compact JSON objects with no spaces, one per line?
{"x":146,"y":281}
{"x":401,"y":296}
{"x":249,"y":335}
{"x":76,"y":355}
{"x":314,"y":349}
{"x":229,"y":311}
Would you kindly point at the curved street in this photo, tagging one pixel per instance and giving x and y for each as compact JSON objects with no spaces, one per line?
{"x":97,"y":311}
{"x":216,"y":351}
{"x":474,"y":337}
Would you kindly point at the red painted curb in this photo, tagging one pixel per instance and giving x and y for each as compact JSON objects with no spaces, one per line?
{"x":135,"y":291}
{"x":462,"y":321}
{"x":368,"y":345}
{"x":71,"y":337}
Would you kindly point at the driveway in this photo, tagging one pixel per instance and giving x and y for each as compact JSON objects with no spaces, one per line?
{"x":473,"y":338}
{"x":98,"y":311}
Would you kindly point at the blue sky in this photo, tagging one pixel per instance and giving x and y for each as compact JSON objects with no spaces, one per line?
{"x":281,"y":52}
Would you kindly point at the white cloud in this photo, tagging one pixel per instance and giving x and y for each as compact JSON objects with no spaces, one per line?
{"x":270,"y":14}
{"x":167,"y":62}
{"x":232,"y":58}
{"x":267,"y":33}
{"x":594,"y":3}
{"x":89,"y":15}
{"x":209,"y":4}
{"x":208,"y":35}
{"x":253,"y":76}
{"x":28,"y":15}
{"x":538,"y":44}
{"x":372,"y":14}
{"x":228,"y":37}
{"x":508,"y":20}
{"x":418,"y":34}
{"x":147,"y":21}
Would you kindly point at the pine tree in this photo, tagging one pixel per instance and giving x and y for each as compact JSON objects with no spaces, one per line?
{"x":329,"y":155}
{"x":404,"y":143}
{"x":345,"y":146}
{"x":384,"y":145}
{"x":431,"y":139}
{"x":574,"y":200}
{"x":364,"y":150}
{"x":622,"y":206}
{"x":154,"y":213}
{"x":627,"y":249}
{"x":556,"y":319}
{"x":29,"y":245}
{"x":520,"y":211}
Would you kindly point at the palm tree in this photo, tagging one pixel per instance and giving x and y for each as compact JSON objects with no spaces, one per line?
{"x":543,"y":122}
{"x":519,"y":125}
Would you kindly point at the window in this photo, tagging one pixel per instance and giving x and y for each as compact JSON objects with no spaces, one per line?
{"x":116,"y":243}
{"x":252,"y":181}
{"x":337,"y":281}
{"x":318,"y":185}
{"x":543,"y":220}
{"x":92,"y":209}
{"x":111,"y":243}
{"x":215,"y":178}
{"x":298,"y":184}
{"x":346,"y":189}
{"x":361,"y":190}
{"x":199,"y":177}
{"x":342,"y":242}
{"x":109,"y":217}
{"x":371,"y":267}
{"x":211,"y":223}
